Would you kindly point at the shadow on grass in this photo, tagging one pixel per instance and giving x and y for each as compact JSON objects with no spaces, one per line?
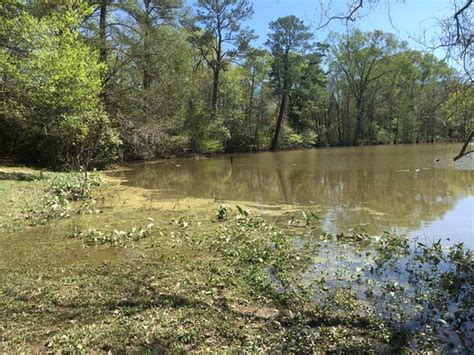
{"x":221,"y":319}
{"x":20,"y":176}
{"x":107,"y":291}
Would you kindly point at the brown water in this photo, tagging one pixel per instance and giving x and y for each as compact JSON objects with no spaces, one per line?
{"x":414,"y":189}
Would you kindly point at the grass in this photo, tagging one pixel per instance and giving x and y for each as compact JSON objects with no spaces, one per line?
{"x":33,"y":197}
{"x":174,"y":295}
{"x":15,"y":197}
{"x":223,"y":280}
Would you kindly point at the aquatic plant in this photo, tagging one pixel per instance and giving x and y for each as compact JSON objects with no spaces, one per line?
{"x":242,"y":284}
{"x":61,"y":190}
{"x":114,"y":237}
{"x":73,"y":186}
{"x":423,"y":291}
{"x":222,"y":212}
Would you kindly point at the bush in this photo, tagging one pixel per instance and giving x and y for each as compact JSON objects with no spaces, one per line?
{"x":290,"y":139}
{"x":52,"y":90}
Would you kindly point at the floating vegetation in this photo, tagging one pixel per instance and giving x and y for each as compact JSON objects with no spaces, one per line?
{"x":114,"y":237}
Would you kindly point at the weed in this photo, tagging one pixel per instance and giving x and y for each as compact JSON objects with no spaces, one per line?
{"x":114,"y":237}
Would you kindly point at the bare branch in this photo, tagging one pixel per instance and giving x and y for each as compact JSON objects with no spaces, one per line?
{"x":464,"y":147}
{"x":347,"y":18}
{"x":458,"y":22}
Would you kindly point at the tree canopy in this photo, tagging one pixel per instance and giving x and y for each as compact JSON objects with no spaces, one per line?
{"x":86,"y":82}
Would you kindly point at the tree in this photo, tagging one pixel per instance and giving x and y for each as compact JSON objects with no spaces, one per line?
{"x":50,"y":88}
{"x":359,"y":56}
{"x":255,"y":70}
{"x":289,"y":37}
{"x":306,"y":99}
{"x":148,"y":66}
{"x":456,"y":30}
{"x":464,"y":148}
{"x":220,"y":36}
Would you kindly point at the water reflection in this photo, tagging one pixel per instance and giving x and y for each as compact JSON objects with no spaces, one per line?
{"x":402,"y":187}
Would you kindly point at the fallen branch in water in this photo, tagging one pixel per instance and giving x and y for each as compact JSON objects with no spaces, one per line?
{"x":464,"y":147}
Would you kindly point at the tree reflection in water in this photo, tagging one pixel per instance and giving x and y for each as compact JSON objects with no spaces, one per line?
{"x":384,"y":187}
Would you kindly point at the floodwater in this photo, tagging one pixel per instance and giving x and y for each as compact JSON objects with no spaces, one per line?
{"x":412,"y":189}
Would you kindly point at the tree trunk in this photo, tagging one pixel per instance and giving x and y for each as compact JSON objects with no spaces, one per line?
{"x":146,"y":55}
{"x":103,"y":41}
{"x":397,"y":129}
{"x":327,"y":124}
{"x":318,"y":131}
{"x":281,"y":113}
{"x":215,"y":91}
{"x":251,"y":97}
{"x":464,"y":147}
{"x":250,"y":107}
{"x":359,"y":127}
{"x":282,"y":110}
{"x":102,"y":31}
{"x":146,"y":73}
{"x":259,"y":118}
{"x":339,"y":130}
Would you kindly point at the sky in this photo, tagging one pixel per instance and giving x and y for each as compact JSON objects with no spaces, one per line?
{"x":407,"y":19}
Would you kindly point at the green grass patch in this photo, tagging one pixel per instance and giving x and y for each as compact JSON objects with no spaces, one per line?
{"x":36,"y":198}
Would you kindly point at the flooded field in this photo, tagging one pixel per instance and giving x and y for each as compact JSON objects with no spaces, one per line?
{"x":412,"y":189}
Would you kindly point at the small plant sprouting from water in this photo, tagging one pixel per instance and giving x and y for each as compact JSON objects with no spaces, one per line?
{"x":114,"y":237}
{"x":310,"y":216}
{"x":305,"y":219}
{"x":223,"y":212}
{"x":242,"y":211}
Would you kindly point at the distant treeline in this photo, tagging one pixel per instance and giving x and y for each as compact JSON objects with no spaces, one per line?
{"x":87,"y":82}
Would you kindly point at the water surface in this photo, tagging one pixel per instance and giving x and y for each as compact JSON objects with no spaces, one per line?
{"x":414,"y":189}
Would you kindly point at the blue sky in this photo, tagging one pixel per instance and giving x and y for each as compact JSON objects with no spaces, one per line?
{"x":409,"y":18}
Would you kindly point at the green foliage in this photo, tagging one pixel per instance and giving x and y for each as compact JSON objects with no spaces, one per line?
{"x":150,"y":79}
{"x":288,"y":41}
{"x":60,"y":191}
{"x":383,"y":92}
{"x":52,"y":82}
{"x":223,"y":212}
{"x":114,"y":237}
{"x":152,"y":119}
{"x":73,"y":186}
{"x":243,"y":282}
